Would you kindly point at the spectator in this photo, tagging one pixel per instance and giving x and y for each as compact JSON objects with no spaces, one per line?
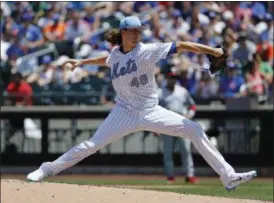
{"x":215,"y":26}
{"x":141,"y":6}
{"x":30,"y":35}
{"x":228,"y":17}
{"x":270,"y":28}
{"x":5,"y":44}
{"x":46,"y":12}
{"x":39,"y":7}
{"x":244,"y":51}
{"x":60,"y":76}
{"x":19,"y":94}
{"x":45,"y":76}
{"x":207,"y":37}
{"x":254,"y":77}
{"x":15,"y":50}
{"x":17,"y":10}
{"x":230,"y":39}
{"x":76,"y":6}
{"x":196,"y":30}
{"x":201,"y":61}
{"x":19,"y":91}
{"x":230,"y":83}
{"x":77,"y":27}
{"x":105,"y":9}
{"x":265,"y":49}
{"x":188,"y":75}
{"x":176,"y":26}
{"x":242,"y":11}
{"x":207,"y":87}
{"x":212,"y":6}
{"x":77,"y":75}
{"x":258,"y":8}
{"x":191,"y":73}
{"x":186,"y":9}
{"x":267,"y":71}
{"x":126,"y":7}
{"x":91,"y":17}
{"x":55,"y":30}
{"x":5,"y":9}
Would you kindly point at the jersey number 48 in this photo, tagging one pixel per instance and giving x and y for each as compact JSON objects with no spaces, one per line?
{"x":143,"y":80}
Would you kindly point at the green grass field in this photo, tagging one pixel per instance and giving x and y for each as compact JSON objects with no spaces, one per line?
{"x":255,"y":189}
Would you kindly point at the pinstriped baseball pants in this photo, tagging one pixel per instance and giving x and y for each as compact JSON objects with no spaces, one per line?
{"x":121,"y":122}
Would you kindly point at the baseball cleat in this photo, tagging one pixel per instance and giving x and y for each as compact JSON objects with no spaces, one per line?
{"x":36,"y":176}
{"x":170,"y":180}
{"x":239,"y":178}
{"x":192,"y":180}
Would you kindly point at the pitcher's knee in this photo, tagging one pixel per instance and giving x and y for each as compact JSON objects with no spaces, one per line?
{"x":195,"y":128}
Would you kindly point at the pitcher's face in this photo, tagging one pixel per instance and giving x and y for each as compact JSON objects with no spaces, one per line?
{"x":132,"y":36}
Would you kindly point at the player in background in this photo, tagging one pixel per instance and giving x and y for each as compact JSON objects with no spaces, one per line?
{"x":177,"y":99}
{"x":133,"y":67}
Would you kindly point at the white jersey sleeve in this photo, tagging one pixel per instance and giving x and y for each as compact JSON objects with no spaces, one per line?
{"x":157,"y":51}
{"x":108,"y":60}
{"x":110,"y":57}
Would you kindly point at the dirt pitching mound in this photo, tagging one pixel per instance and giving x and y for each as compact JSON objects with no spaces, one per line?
{"x":25,"y":192}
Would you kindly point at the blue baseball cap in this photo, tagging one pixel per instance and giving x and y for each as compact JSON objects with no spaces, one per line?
{"x":131,"y":22}
{"x":47,"y":59}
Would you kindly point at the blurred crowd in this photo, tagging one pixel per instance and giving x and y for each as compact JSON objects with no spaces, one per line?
{"x":77,"y":30}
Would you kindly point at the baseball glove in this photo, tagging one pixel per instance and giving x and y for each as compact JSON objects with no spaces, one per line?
{"x":218,"y":63}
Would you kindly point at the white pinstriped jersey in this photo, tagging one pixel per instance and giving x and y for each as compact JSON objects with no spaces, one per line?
{"x":133,"y":74}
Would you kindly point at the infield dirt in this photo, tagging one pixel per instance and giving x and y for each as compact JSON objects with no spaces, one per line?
{"x":13,"y":191}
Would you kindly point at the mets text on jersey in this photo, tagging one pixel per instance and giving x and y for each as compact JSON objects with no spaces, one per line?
{"x":131,"y":67}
